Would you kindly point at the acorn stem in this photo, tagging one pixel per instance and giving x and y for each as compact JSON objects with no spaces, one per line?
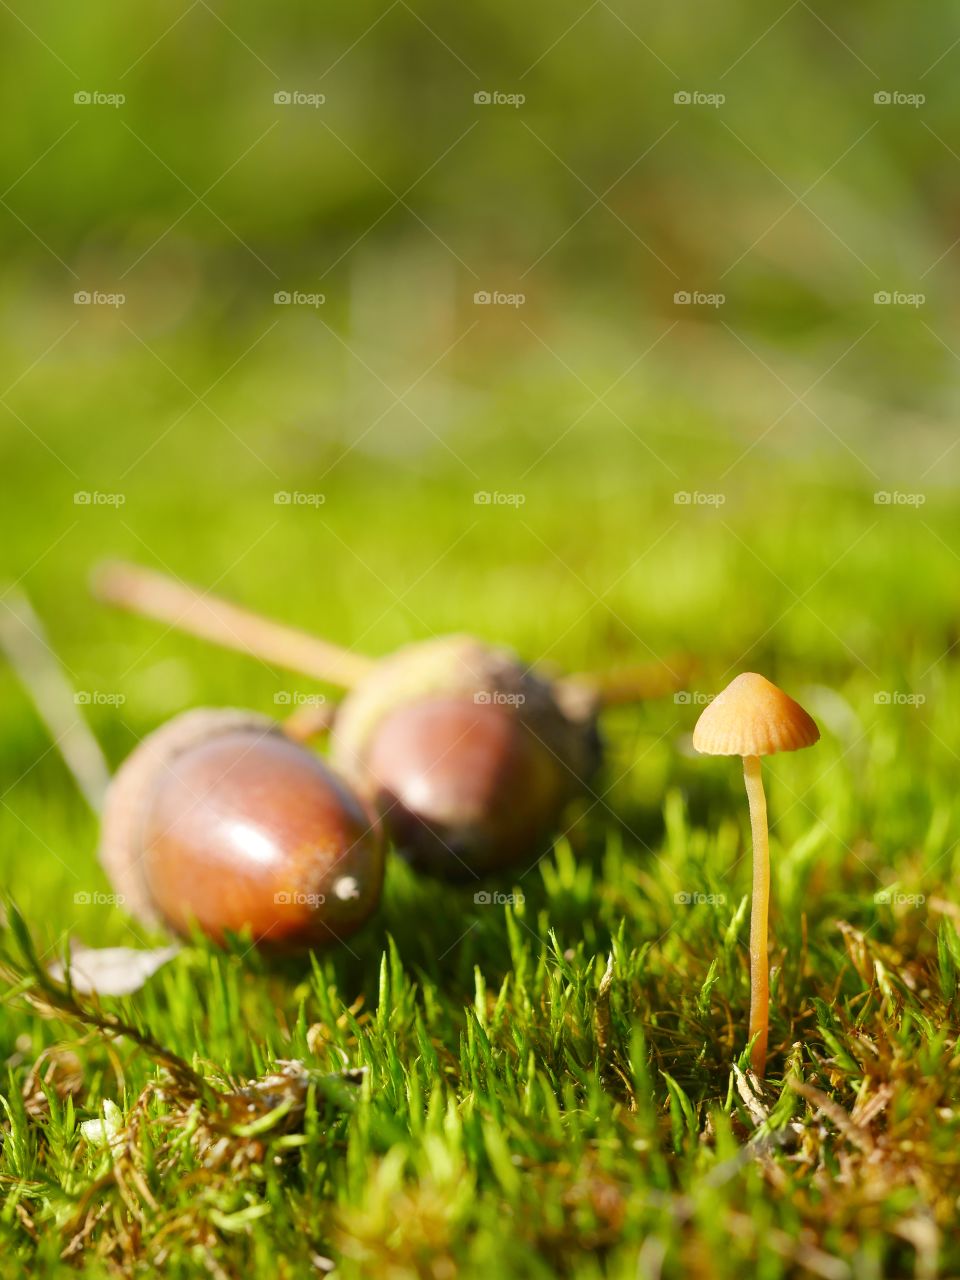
{"x":199,"y":613}
{"x":759,"y":963}
{"x":310,"y":721}
{"x":638,"y":683}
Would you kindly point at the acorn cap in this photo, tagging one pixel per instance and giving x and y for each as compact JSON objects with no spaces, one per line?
{"x":461,"y":666}
{"x":752,"y":717}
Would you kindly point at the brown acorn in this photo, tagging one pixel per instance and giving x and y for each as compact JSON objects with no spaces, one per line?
{"x":468,"y":755}
{"x":218,"y":819}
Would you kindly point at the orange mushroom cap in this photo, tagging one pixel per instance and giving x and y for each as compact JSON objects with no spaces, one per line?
{"x":752,"y":717}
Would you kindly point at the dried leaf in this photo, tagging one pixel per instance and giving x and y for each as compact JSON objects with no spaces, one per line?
{"x":112,"y":971}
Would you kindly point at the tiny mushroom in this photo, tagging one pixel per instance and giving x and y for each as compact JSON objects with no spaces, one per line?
{"x":753,"y":718}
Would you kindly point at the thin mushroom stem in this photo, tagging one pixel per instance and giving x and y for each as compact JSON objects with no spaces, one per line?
{"x":759,"y":964}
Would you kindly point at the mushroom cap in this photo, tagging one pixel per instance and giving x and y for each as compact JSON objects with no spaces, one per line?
{"x":752,"y":717}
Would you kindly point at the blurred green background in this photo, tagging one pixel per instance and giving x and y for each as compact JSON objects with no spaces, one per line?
{"x":740,"y":156}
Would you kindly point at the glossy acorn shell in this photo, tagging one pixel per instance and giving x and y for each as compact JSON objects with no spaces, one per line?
{"x":464,"y":788}
{"x":218,"y":820}
{"x":468,"y":755}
